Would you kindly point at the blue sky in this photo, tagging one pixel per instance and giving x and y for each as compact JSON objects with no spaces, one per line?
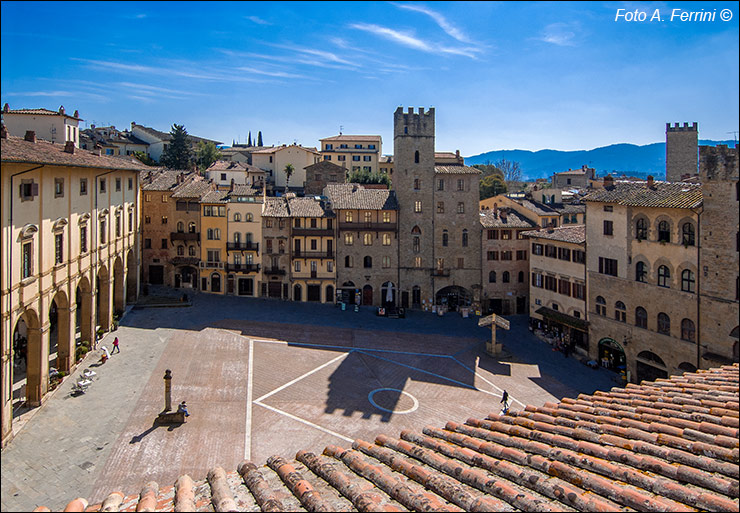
{"x":501,"y":75}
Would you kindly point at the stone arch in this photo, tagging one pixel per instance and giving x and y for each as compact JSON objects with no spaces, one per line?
{"x":641,"y":228}
{"x":60,"y":332}
{"x":84,"y":312}
{"x":657,"y":224}
{"x":650,"y":367}
{"x":664,"y":262}
{"x":367,"y":294}
{"x":686,"y":367}
{"x":297,"y":292}
{"x":37,"y":362}
{"x":687,"y":228}
{"x":102,"y":298}
{"x":119,"y":289}
{"x":131,"y":275}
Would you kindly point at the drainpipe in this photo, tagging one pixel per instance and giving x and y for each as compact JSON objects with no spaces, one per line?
{"x":698,"y":287}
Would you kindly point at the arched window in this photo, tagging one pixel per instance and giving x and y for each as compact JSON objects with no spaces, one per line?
{"x":600,"y":305}
{"x":688,"y":281}
{"x":209,"y":234}
{"x":505,"y":277}
{"x":191,"y":227}
{"x":180,"y":250}
{"x":416,"y":295}
{"x":249,"y":218}
{"x":521,"y":277}
{"x":492,"y":277}
{"x":191,"y":251}
{"x":664,"y":276}
{"x":641,"y":317}
{"x":297,"y":293}
{"x":367,"y":239}
{"x":445,"y":238}
{"x":465,"y":238}
{"x":687,"y":234}
{"x":664,"y":324}
{"x":367,"y":262}
{"x":416,"y":157}
{"x":641,"y":272}
{"x":688,"y":330}
{"x":620,"y":312}
{"x":664,"y":232}
{"x":641,"y":229}
{"x":416,"y":239}
{"x":180,"y":227}
{"x":237,"y":217}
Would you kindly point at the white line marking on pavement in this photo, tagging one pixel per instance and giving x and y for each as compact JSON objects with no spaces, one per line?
{"x":248,"y":434}
{"x":484,"y":379}
{"x":427,"y":372}
{"x":296,"y":380}
{"x":346,"y":439}
{"x":306,"y":344}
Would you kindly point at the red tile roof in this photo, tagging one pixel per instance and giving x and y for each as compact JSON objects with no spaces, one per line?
{"x":668,"y":445}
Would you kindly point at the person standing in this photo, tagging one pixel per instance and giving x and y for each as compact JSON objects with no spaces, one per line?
{"x":115,"y":346}
{"x":505,"y":402}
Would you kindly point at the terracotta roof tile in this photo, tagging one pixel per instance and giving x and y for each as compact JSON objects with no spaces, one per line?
{"x":574,"y":234}
{"x":659,"y":446}
{"x":355,"y":196}
{"x":275,"y":207}
{"x":308,"y":207}
{"x":638,"y":194}
{"x":512,"y":219}
{"x":450,"y":169}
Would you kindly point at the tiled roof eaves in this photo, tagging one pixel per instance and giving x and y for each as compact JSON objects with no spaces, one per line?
{"x":661,"y":195}
{"x":668,"y":445}
{"x":456,"y":170}
{"x":572,"y":234}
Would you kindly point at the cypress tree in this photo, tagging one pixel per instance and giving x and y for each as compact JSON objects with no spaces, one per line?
{"x":178,"y":154}
{"x":259,"y":138}
{"x":249,"y":140}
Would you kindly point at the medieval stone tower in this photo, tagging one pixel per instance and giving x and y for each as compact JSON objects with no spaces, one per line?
{"x":719,"y":238}
{"x":439,"y":225}
{"x":681,"y":149}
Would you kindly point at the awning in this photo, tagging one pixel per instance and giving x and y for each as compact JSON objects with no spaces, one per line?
{"x":560,"y":317}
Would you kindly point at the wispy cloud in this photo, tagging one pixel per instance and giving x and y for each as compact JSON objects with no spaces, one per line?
{"x":149,"y":90}
{"x":257,"y":20}
{"x":57,"y":94}
{"x":409,"y":40}
{"x":560,"y":34}
{"x":445,"y":25}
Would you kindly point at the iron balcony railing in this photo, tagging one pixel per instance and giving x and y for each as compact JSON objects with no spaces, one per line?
{"x":242,"y":246}
{"x":313,"y":254}
{"x":242,"y":268}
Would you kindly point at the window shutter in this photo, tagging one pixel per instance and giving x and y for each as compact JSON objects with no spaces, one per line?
{"x":34,"y":189}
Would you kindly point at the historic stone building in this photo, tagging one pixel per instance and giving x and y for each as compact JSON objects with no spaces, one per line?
{"x":681,"y":151}
{"x":70,"y":221}
{"x":573,"y":178}
{"x":213,"y":253}
{"x":439,"y":226}
{"x":321,"y":174}
{"x":244,"y":223}
{"x":171,"y":227}
{"x":275,"y":248}
{"x":642,"y":276}
{"x":557,"y":293}
{"x":312,"y":251}
{"x":505,"y":261}
{"x":718,"y":282}
{"x":367,"y":244}
{"x":353,"y":152}
{"x":544,"y":215}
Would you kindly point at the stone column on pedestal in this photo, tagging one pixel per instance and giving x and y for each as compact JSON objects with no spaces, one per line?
{"x":167,"y":390}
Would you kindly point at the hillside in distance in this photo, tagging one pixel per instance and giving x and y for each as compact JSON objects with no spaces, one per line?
{"x":629,"y":159}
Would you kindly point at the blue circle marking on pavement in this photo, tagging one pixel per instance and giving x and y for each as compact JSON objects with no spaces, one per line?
{"x":410,"y":410}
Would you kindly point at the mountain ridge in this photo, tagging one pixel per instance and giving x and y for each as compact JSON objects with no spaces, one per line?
{"x":621,"y":158}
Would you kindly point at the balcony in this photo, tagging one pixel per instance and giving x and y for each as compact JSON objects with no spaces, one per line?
{"x":242,"y":268}
{"x":440,"y":272}
{"x":211,"y":265}
{"x":184,"y":236}
{"x":313,"y":254}
{"x":243,"y":246}
{"x":274,"y":270}
{"x":315,"y":232}
{"x":180,"y":260}
{"x":365,"y":227}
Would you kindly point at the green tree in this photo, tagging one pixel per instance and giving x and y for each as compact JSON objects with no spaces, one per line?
{"x":178,"y":154}
{"x":206,"y":155}
{"x":145,"y":159}
{"x":492,"y":185}
{"x":259,"y":138}
{"x":289,"y":170}
{"x":249,"y":139}
{"x":369,"y":178}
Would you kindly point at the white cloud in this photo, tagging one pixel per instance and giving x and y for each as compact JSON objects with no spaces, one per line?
{"x":257,"y":20}
{"x":560,"y":34}
{"x":409,"y":40}
{"x":445,"y":25}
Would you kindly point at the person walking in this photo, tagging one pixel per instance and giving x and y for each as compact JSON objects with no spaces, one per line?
{"x":505,"y":402}
{"x":115,"y":346}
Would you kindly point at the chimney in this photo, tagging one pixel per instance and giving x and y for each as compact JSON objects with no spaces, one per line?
{"x":69,"y":147}
{"x":77,"y":114}
{"x":231,"y":187}
{"x":30,"y":136}
{"x":650,"y":181}
{"x":495,"y":209}
{"x":608,"y":181}
{"x":3,"y":131}
{"x":503,"y":214}
{"x":61,"y":110}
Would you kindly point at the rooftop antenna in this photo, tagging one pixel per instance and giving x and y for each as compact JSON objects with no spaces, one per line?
{"x":734,"y":135}
{"x":340,"y":129}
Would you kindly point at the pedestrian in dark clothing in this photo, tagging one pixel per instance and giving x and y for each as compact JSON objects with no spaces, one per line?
{"x":115,"y":346}
{"x":505,"y":402}
{"x":182,"y":408}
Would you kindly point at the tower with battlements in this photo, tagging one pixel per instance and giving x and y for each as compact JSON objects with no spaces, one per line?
{"x":681,"y":150}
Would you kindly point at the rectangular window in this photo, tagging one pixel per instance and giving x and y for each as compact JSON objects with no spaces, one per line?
{"x":328,"y":147}
{"x":417,"y":262}
{"x":492,"y":234}
{"x":551,"y":283}
{"x":147,"y":197}
{"x":58,"y":187}
{"x":330,"y":266}
{"x":417,"y":206}
{"x":103,"y":231}
{"x":608,"y":266}
{"x":164,"y":243}
{"x":214,"y":256}
{"x":537,"y":280}
{"x":551,"y":251}
{"x":130,"y":221}
{"x":118,"y":225}
{"x":366,"y":158}
{"x":147,"y":219}
{"x":28,"y":189}
{"x":118,"y":185}
{"x":27,"y":260}
{"x":83,"y":186}
{"x":579,"y":257}
{"x":506,"y":255}
{"x":83,"y":239}
{"x":130,"y":184}
{"x":579,"y":291}
{"x":164,"y":219}
{"x":521,"y":254}
{"x":58,"y":248}
{"x":101,"y":187}
{"x":460,"y":184}
{"x":536,"y":249}
{"x":608,"y":228}
{"x":440,"y":207}
{"x":441,"y":184}
{"x":460,"y":262}
{"x":505,"y":234}
{"x":356,"y":158}
{"x":493,"y":255}
{"x":386,"y":217}
{"x":461,"y":208}
{"x":564,"y":287}
{"x":164,"y":198}
{"x":147,"y":243}
{"x":386,"y":262}
{"x":564,"y":254}
{"x":608,"y":208}
{"x":297,"y":266}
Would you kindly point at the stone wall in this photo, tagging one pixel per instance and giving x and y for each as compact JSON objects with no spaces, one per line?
{"x":681,"y":148}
